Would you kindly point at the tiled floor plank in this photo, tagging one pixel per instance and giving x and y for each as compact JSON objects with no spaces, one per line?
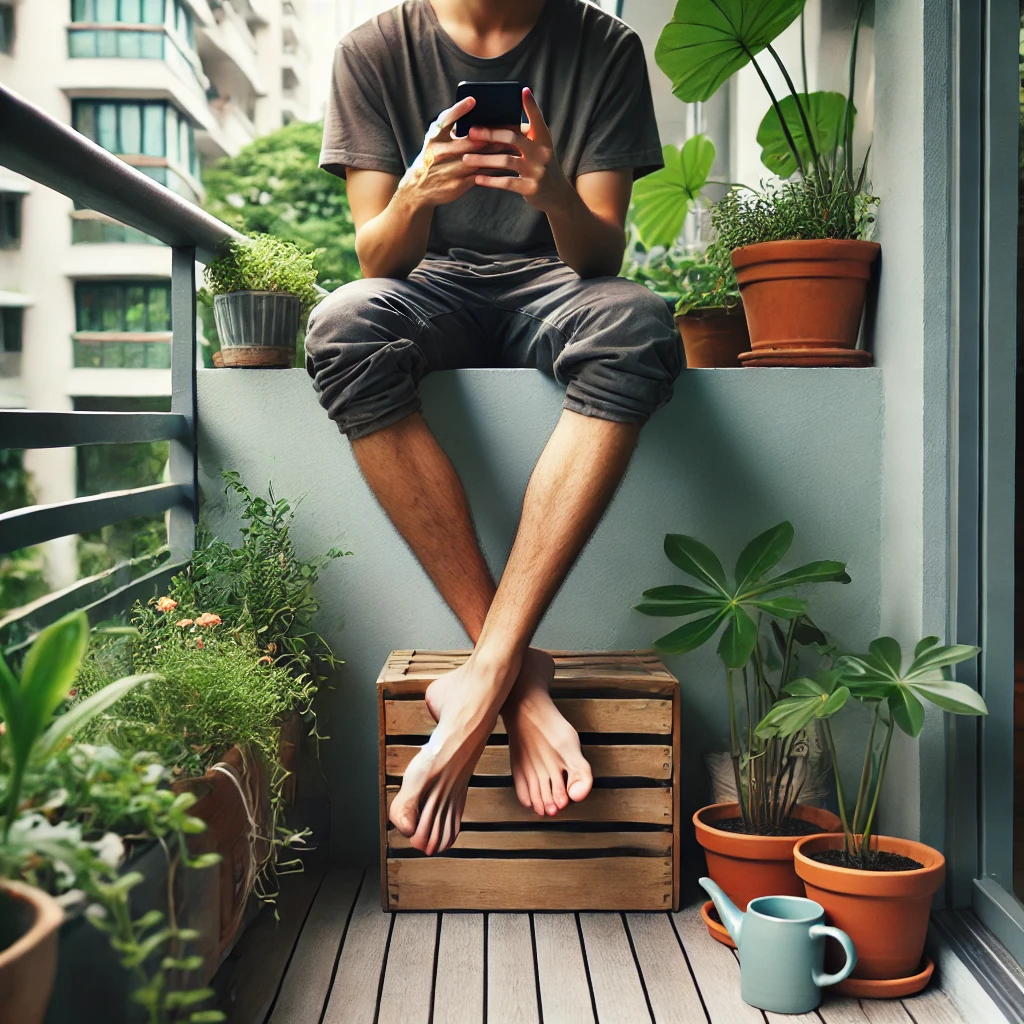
{"x":459,"y":988}
{"x":670,"y":986}
{"x":409,"y":972}
{"x":932,"y":1007}
{"x":353,"y":998}
{"x":307,"y":982}
{"x":618,"y":992}
{"x":511,"y":980}
{"x":561,"y":971}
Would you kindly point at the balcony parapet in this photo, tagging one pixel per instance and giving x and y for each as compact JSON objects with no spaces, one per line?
{"x":228,"y":50}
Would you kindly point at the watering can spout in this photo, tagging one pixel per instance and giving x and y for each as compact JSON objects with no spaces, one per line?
{"x":731,"y":915}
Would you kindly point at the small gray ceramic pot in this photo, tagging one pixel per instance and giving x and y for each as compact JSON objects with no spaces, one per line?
{"x":257,"y":329}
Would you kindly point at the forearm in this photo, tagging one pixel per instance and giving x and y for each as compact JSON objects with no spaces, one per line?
{"x":393,"y":243}
{"x":589,"y":244}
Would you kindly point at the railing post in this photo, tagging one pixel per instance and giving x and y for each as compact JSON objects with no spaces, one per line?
{"x":184,"y":467}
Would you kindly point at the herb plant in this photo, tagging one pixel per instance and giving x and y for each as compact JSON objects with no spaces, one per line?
{"x":263,"y":263}
{"x":689,"y":282}
{"x":751,"y":608}
{"x":877,"y":681}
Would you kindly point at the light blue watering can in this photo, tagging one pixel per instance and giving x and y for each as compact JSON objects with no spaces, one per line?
{"x":781,"y":945}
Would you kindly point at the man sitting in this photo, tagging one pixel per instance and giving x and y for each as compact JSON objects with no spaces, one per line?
{"x":499,"y":249}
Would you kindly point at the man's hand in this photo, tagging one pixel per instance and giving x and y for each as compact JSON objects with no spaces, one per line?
{"x":530,"y":154}
{"x":438,"y":175}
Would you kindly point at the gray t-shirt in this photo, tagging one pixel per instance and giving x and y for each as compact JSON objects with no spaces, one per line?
{"x":394,"y":75}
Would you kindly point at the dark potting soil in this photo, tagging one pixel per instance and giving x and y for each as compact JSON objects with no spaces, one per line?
{"x":880,"y":860}
{"x":790,"y":827}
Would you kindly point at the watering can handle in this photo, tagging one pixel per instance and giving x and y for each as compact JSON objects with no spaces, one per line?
{"x":821,"y":931}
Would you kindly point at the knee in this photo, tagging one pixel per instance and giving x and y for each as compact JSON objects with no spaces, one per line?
{"x":344,"y":316}
{"x":624,"y":356}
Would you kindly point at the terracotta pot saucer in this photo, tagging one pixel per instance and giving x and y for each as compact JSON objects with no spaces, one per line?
{"x":714,"y":925}
{"x":806,"y":357}
{"x":886,"y":988}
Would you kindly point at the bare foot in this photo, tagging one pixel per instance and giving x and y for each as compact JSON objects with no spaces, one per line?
{"x":548,"y":765}
{"x":428,"y":808}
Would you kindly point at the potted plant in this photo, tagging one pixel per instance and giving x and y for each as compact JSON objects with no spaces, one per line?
{"x":61,"y":848}
{"x":801,"y":251}
{"x":260,"y":287}
{"x":237,"y":656}
{"x":749,"y":843}
{"x":876,"y":888}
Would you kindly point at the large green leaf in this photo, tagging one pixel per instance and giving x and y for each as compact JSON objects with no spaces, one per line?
{"x":738,"y":640}
{"x":925,"y":645}
{"x":662,"y":200}
{"x":782,"y":607}
{"x":957,"y":698}
{"x":813,"y":572}
{"x":940,"y":657}
{"x":678,"y":600}
{"x":764,"y":552}
{"x":695,"y":559}
{"x":707,"y":41}
{"x":85,"y":711}
{"x":825,"y":112}
{"x":907,"y":711}
{"x":49,"y":670}
{"x":689,"y":636}
{"x":887,"y":655}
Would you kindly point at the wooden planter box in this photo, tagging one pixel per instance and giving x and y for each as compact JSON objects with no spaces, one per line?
{"x":617,"y":850}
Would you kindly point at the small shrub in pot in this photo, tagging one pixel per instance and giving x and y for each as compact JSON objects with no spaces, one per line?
{"x":261,"y":287}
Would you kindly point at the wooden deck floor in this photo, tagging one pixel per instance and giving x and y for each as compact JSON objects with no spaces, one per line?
{"x":335,"y":958}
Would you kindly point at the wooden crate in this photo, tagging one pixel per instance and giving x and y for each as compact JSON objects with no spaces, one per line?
{"x":617,"y":850}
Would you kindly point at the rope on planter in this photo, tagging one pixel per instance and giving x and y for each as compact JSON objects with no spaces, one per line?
{"x":252,"y":868}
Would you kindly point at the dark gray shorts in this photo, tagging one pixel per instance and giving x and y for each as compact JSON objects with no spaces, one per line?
{"x":611,"y":342}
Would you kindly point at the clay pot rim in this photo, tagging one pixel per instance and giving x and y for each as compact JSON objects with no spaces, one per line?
{"x":747,"y":847}
{"x":48,"y":919}
{"x":822,"y":249}
{"x":711,"y":312}
{"x":855,"y":881}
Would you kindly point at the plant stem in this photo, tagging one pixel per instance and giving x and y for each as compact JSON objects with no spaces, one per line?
{"x":734,"y":743}
{"x":848,"y":110}
{"x":847,"y":837}
{"x":800,"y":109}
{"x":13,"y":798}
{"x":865,"y":774}
{"x":803,"y":51}
{"x":778,"y":113}
{"x":866,"y":838}
{"x":788,"y":656}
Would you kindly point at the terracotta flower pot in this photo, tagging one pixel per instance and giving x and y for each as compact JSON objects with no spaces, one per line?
{"x":713,"y":337}
{"x":884,"y":912}
{"x":750,"y":866}
{"x":29,"y":920}
{"x":804,"y":294}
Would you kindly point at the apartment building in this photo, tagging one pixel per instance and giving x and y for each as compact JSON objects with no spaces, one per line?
{"x":167,"y":85}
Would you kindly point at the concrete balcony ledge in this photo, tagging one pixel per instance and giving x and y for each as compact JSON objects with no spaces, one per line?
{"x":735,"y":452}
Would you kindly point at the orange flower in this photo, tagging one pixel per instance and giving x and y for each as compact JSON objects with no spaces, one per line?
{"x":265,"y":660}
{"x":166,"y":604}
{"x":72,"y":693}
{"x":183,"y":623}
{"x":200,"y":644}
{"x":3,"y":728}
{"x":208,"y":619}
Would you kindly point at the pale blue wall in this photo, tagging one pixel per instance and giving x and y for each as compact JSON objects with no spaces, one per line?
{"x":735,"y":452}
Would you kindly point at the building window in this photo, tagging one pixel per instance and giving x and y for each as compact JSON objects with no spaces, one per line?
{"x":112,"y":316}
{"x":148,"y":29}
{"x":10,"y":220}
{"x":132,"y":128}
{"x":6,"y":28}
{"x":10,"y":328}
{"x":91,"y":228}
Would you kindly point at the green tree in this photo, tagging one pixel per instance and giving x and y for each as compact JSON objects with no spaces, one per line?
{"x":274,"y":185}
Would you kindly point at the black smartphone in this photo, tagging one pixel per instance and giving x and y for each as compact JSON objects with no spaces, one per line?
{"x":497,"y":103}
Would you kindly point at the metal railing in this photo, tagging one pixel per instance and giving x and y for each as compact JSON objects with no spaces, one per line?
{"x":41,"y":148}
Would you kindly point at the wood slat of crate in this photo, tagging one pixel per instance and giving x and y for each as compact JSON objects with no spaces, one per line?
{"x":617,"y":850}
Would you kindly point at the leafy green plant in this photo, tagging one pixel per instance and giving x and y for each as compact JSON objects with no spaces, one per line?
{"x":764,"y":766}
{"x":893,"y":697}
{"x":790,"y":210}
{"x":75,"y":851}
{"x":688,"y":281}
{"x":263,"y":263}
{"x":662,"y":200}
